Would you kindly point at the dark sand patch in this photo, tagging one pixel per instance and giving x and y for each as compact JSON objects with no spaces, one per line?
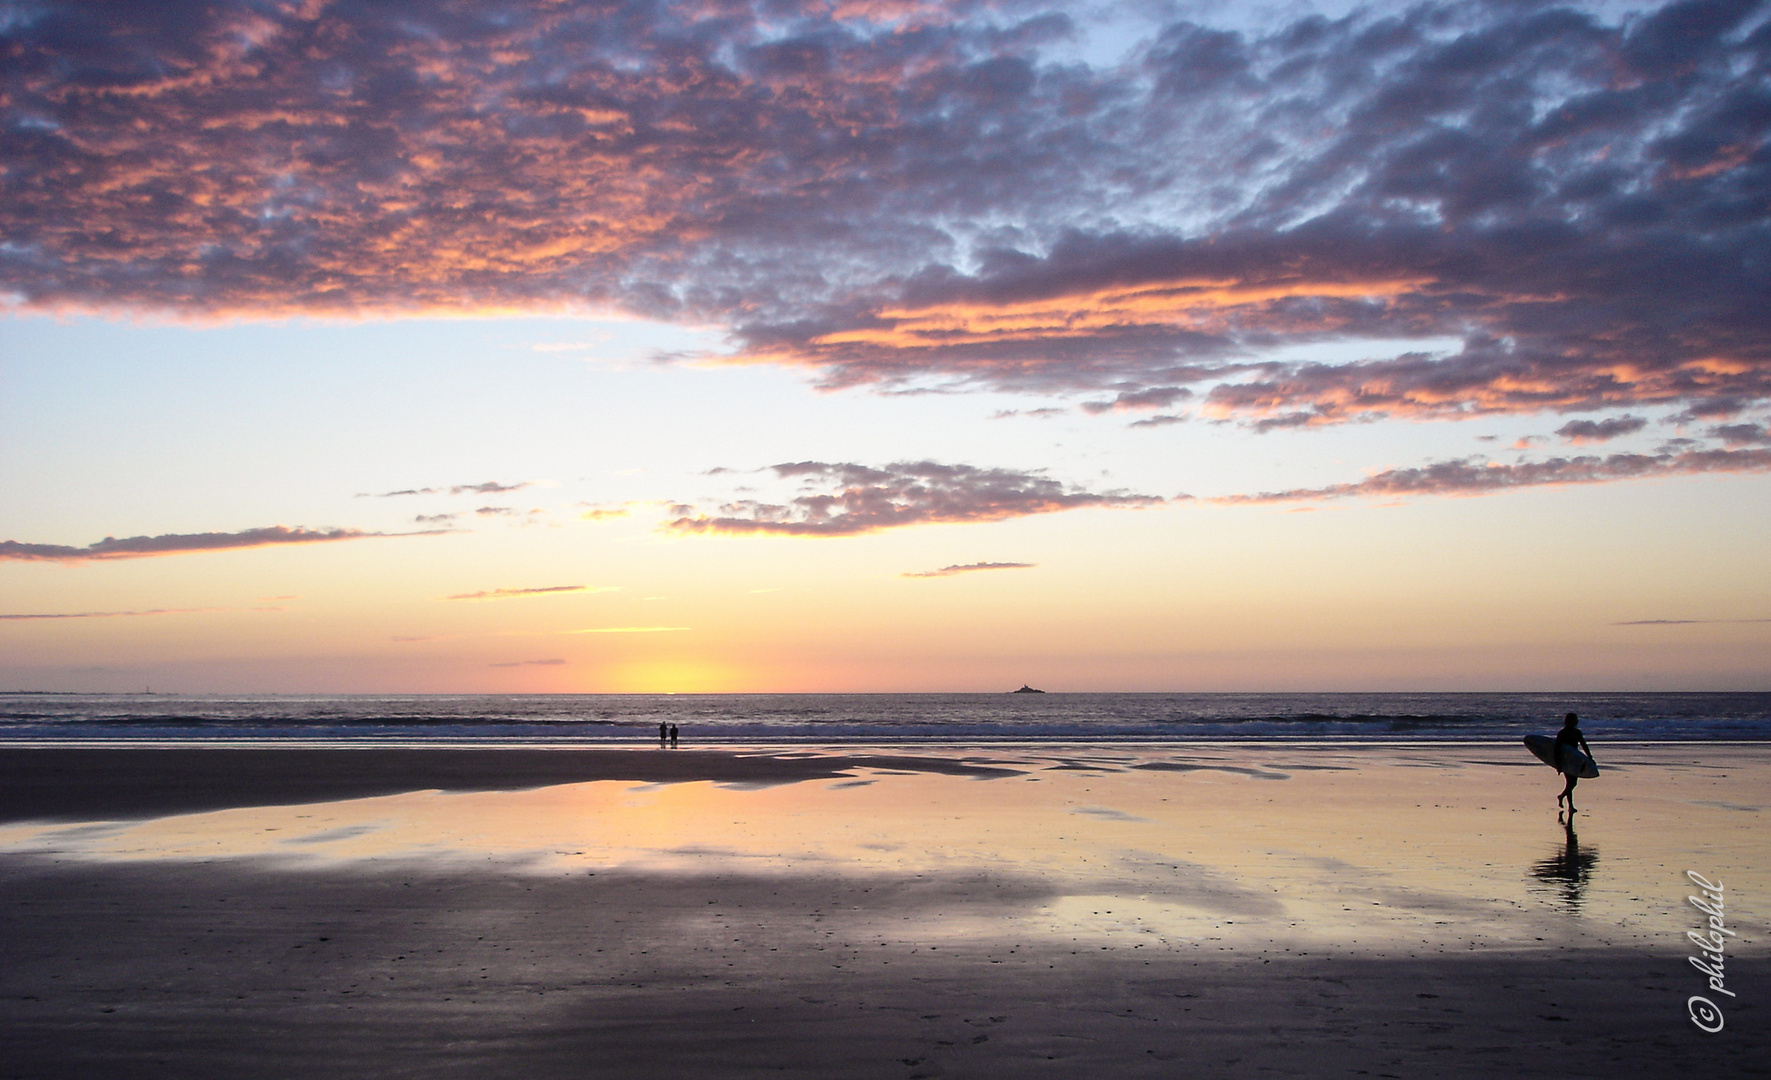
{"x":82,"y":784}
{"x":232,"y":970}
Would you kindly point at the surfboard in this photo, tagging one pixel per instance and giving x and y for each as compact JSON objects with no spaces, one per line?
{"x":1563,"y":759}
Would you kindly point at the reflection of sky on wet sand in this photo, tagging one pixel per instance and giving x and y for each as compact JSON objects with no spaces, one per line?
{"x":1369,"y":848}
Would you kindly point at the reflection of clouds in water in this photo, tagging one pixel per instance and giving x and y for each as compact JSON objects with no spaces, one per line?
{"x":102,"y":830}
{"x":1152,"y":875}
{"x":348,"y":832}
{"x":1181,"y":766}
{"x":1107,"y":812}
{"x":1568,"y":871}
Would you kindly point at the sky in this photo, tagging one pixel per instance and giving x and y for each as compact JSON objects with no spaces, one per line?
{"x":884,"y":345}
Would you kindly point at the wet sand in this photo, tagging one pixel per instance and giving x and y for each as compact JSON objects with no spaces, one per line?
{"x":1096,"y":911}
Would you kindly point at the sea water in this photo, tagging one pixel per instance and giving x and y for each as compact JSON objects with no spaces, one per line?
{"x":875,"y":718}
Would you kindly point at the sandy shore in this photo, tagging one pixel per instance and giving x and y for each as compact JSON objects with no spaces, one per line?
{"x":1093,"y":911}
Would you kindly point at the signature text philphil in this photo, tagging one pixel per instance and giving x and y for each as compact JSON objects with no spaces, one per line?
{"x":1710,"y":940}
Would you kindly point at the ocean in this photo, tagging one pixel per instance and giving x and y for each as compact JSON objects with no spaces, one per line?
{"x":819,"y":719}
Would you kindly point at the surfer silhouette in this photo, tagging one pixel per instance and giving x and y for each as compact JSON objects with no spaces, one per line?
{"x":1571,"y":737}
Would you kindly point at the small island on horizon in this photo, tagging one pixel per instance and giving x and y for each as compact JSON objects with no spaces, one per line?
{"x":1025,"y":689}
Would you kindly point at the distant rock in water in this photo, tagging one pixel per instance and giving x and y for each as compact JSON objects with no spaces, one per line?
{"x":1025,"y":689}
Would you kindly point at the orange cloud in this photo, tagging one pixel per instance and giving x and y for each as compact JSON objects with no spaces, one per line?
{"x":1192,"y":305}
{"x":507,"y":594}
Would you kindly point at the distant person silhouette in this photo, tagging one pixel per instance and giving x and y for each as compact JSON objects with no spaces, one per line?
{"x":673,"y":735}
{"x":1570,"y":737}
{"x":663,"y":732}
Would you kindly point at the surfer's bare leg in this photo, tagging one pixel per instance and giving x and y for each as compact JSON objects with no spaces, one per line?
{"x":1568,"y":791}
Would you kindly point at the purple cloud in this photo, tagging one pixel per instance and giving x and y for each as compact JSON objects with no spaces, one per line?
{"x":883,"y":194}
{"x":848,"y":499}
{"x":531,"y":663}
{"x":967,"y":568}
{"x":1477,"y":476}
{"x":1741,"y":434}
{"x":490,"y":487}
{"x":110,"y":614}
{"x":136,"y":547}
{"x":1594,"y":431}
{"x":1685,"y":622}
{"x":1153,"y":397}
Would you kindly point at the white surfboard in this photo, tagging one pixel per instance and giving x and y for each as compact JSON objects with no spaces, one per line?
{"x":1563,"y":759}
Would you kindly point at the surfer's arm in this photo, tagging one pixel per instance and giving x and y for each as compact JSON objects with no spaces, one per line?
{"x":1585,"y":749}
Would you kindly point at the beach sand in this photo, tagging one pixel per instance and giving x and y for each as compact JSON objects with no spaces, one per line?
{"x":989,"y":911}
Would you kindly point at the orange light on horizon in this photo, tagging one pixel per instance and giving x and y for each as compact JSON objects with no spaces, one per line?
{"x":680,"y":675}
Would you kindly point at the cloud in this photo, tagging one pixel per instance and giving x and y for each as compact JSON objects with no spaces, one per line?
{"x":848,"y":500}
{"x":1685,"y":622}
{"x":1741,"y":434}
{"x":605,"y":513}
{"x":136,"y":547}
{"x":111,"y":614}
{"x":490,"y":487}
{"x":1153,"y":397}
{"x":530,"y":663}
{"x":628,"y":630}
{"x":1043,"y":414}
{"x":1475,"y":476}
{"x":887,"y":195}
{"x":506,"y":594}
{"x":1595,"y":431}
{"x":966,"y":568}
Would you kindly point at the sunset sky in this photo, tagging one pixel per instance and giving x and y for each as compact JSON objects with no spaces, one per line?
{"x":884,"y":345}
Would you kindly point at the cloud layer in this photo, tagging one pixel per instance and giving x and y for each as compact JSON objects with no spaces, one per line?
{"x":1477,"y":476}
{"x":967,"y":568}
{"x":507,"y":594}
{"x":894,"y":191}
{"x":108,"y":614}
{"x":136,"y":547}
{"x":846,"y":499}
{"x":490,"y":487}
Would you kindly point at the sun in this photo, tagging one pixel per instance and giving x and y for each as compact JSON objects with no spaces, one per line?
{"x":679,"y":675}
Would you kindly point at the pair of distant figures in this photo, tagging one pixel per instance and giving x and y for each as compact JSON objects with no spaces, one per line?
{"x":666,"y":734}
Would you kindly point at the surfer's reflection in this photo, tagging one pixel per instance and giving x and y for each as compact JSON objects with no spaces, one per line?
{"x":1568,"y":869}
